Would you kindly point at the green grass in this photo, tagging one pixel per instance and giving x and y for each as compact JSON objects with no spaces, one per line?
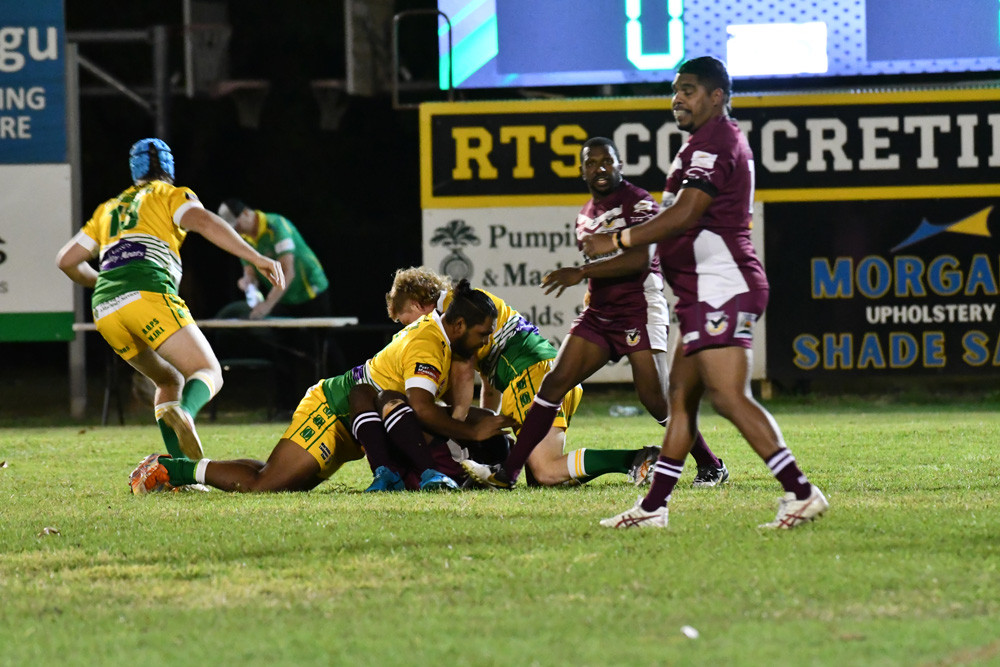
{"x":904,"y":569}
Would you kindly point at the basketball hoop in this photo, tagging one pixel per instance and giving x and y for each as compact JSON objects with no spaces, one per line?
{"x":207,"y":56}
{"x":249,"y":96}
{"x":332,"y":98}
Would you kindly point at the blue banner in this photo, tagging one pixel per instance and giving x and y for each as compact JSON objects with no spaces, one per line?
{"x":32,"y":82}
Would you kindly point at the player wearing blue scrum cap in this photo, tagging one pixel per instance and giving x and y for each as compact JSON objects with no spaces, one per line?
{"x":136,"y":238}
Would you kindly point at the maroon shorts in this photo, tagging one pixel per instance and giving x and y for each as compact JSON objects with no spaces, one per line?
{"x":730,"y":325}
{"x":621,"y":335}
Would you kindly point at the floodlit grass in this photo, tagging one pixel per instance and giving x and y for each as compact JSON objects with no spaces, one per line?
{"x":904,"y":569}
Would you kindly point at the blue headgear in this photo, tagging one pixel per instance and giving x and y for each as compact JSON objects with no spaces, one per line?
{"x":139,"y":158}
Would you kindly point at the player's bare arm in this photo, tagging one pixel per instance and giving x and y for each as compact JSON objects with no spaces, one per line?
{"x":633,"y":260}
{"x":463,"y":387}
{"x":73,"y":260}
{"x":221,"y":234}
{"x":435,"y":418}
{"x":689,"y":206}
{"x":490,"y":398}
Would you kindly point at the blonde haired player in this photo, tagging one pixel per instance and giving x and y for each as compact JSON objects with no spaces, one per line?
{"x":512,"y":364}
{"x":137,"y":238}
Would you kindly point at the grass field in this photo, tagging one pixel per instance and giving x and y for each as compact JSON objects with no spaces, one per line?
{"x":904,"y":569}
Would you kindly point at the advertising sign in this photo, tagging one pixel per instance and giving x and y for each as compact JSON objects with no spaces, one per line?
{"x":840,"y":176}
{"x":32,"y":82}
{"x":36,"y":300}
{"x":884,"y":288}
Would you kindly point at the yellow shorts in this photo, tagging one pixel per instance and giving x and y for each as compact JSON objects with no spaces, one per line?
{"x":136,"y":320}
{"x":317,"y":429}
{"x":519,"y":394}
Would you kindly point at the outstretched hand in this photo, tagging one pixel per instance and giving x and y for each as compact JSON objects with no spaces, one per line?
{"x":595,"y":245}
{"x":562,"y":278}
{"x":271,"y":269}
{"x":492,"y":425}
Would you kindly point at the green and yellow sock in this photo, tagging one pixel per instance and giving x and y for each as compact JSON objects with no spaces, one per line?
{"x":198,"y":390}
{"x":584,"y":464}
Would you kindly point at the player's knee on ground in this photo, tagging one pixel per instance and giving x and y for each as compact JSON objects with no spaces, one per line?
{"x":549,"y":471}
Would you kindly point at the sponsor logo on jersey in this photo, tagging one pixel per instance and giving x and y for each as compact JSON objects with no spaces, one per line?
{"x":716,"y":323}
{"x":110,"y":306}
{"x":632,"y":337}
{"x":121,"y":253}
{"x":428,"y":371}
{"x":744,"y":325}
{"x":703,"y":160}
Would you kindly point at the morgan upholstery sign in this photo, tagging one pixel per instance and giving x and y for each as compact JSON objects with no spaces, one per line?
{"x":874,"y":205}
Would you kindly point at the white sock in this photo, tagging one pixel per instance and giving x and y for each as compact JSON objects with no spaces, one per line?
{"x":199,"y":470}
{"x":574,"y":464}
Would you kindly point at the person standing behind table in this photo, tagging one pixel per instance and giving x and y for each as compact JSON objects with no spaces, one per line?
{"x":137,"y":236}
{"x":703,"y":240}
{"x":305,"y":293}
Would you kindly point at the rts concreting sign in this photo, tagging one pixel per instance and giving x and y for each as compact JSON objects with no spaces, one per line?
{"x":875,"y":216}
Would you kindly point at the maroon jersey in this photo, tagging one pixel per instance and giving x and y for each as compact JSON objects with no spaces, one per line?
{"x":626,"y":206}
{"x":714,"y":260}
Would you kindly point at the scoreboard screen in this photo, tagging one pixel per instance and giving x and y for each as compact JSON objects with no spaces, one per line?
{"x":533,"y":43}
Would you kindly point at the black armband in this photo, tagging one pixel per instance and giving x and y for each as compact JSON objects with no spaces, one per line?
{"x":699,"y":184}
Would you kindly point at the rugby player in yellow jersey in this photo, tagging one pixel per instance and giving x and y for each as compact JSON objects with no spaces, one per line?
{"x":317,"y":442}
{"x":512,"y":365}
{"x":137,"y":237}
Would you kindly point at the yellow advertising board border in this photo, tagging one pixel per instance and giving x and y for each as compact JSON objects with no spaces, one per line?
{"x":860,"y":97}
{"x":766,"y":196}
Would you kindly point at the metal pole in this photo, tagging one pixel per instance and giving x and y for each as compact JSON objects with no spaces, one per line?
{"x":96,"y":70}
{"x":161,"y":82}
{"x":77,"y":347}
{"x":188,"y":51}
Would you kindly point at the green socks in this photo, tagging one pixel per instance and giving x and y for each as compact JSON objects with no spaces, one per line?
{"x":169,"y":439}
{"x":198,"y":391}
{"x":600,"y":461}
{"x":181,"y":470}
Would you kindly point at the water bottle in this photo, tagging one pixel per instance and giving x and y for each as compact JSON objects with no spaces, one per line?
{"x":254,"y":295}
{"x":623,"y":411}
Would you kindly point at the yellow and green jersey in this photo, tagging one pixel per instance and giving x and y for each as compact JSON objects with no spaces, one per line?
{"x":137,"y":236}
{"x":514,"y":346}
{"x":418,"y":356}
